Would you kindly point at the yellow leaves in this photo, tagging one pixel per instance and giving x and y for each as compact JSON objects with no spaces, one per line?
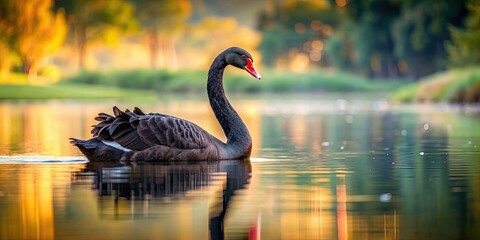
{"x":58,"y":32}
{"x":214,"y":34}
{"x":224,"y":32}
{"x":32,"y":30}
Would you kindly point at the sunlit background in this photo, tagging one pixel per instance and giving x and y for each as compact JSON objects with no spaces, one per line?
{"x":384,"y":39}
{"x":335,"y":44}
{"x":352,"y":164}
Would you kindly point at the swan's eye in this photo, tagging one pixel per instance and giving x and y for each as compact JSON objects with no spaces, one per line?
{"x":248,"y":61}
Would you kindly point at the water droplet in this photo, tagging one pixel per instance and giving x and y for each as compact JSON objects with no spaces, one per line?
{"x":422,"y":153}
{"x":385,"y":197}
{"x":469,"y":142}
{"x":342,"y":147}
{"x":426,"y":126}
{"x":325,"y":144}
{"x":404,"y":132}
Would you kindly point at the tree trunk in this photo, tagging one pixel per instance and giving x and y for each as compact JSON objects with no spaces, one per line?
{"x":166,"y":59}
{"x":5,"y":63}
{"x":30,"y":68}
{"x":173,"y":64}
{"x":169,"y":54}
{"x":82,"y":46}
{"x":383,"y":67}
{"x":153,"y":46}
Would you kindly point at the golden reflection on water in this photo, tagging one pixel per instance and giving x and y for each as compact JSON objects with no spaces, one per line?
{"x":43,"y":128}
{"x":39,"y":128}
{"x":28,"y":195}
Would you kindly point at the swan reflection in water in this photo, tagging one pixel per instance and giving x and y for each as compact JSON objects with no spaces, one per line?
{"x":172,"y":181}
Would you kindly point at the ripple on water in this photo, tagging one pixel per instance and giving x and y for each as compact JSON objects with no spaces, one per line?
{"x":23,"y":159}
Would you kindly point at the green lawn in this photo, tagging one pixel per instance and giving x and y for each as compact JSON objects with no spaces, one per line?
{"x":69,"y":91}
{"x":145,"y":83}
{"x":235,"y":80}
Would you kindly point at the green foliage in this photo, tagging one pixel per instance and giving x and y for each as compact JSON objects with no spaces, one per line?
{"x":292,"y":25}
{"x":195,"y":81}
{"x":466,"y":88}
{"x":372,"y":21}
{"x":421,"y":31}
{"x":68,"y":91}
{"x":159,"y":80}
{"x":339,"y":48}
{"x":459,"y":86}
{"x":271,"y":47}
{"x":405,"y":93}
{"x":376,"y":38}
{"x":464,"y":49}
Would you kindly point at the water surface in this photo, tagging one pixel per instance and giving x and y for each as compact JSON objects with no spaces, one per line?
{"x":334,"y":167}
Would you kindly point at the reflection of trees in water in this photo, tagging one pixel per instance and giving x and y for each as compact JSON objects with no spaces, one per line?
{"x":143,"y":181}
{"x":406,"y":156}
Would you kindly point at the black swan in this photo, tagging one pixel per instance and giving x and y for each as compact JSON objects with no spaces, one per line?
{"x":136,"y":136}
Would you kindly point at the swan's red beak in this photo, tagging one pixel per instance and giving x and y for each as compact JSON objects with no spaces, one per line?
{"x":250,"y":69}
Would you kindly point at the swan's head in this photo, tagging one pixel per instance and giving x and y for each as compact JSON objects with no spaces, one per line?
{"x":240,"y":58}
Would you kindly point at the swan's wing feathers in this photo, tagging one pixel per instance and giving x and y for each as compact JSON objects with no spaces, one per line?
{"x":170,"y":131}
{"x":119,"y":125}
{"x":138,"y":111}
{"x":119,"y":129}
{"x":138,"y":131}
{"x":101,"y":129}
{"x":131,"y":140}
{"x":104,"y":117}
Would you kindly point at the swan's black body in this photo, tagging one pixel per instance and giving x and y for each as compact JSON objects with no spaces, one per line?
{"x":153,"y":136}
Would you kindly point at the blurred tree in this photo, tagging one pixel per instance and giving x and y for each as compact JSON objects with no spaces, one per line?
{"x":378,"y":38}
{"x":97,"y":21}
{"x":163,"y":21}
{"x":339,"y":48}
{"x":296,"y":28}
{"x":464,"y":49}
{"x":371,"y":22}
{"x":5,"y":63}
{"x":31,"y":30}
{"x":421,"y":31}
{"x":215,"y":34}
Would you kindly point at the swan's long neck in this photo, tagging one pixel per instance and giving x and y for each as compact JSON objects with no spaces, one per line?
{"x":239,"y":142}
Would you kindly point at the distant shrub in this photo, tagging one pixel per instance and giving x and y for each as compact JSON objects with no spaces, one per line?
{"x":195,"y":81}
{"x":86,"y":77}
{"x":459,"y":86}
{"x":466,"y":88}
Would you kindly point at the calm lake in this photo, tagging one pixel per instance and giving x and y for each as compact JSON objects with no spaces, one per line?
{"x":322,"y":167}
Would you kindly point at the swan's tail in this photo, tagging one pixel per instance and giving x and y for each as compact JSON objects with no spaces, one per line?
{"x":97,"y":151}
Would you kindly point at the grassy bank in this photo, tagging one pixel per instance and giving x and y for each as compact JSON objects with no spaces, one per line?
{"x":68,"y":91}
{"x":458,"y":86}
{"x":235,"y":80}
{"x":148,"y":83}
